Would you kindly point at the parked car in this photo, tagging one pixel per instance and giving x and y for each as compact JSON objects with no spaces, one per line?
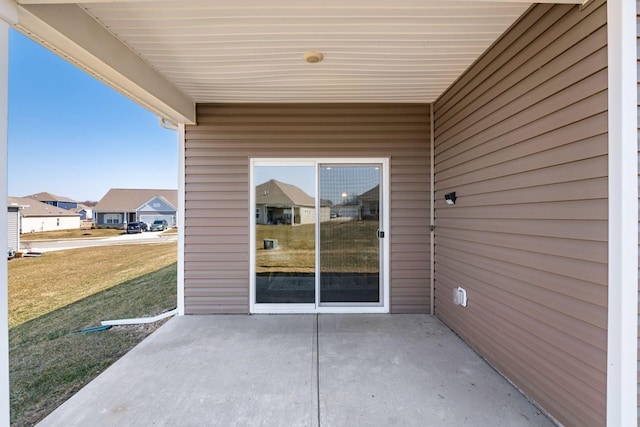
{"x":159,"y":225}
{"x":135,"y":227}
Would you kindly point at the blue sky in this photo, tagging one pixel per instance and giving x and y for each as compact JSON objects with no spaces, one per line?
{"x":73,"y":136}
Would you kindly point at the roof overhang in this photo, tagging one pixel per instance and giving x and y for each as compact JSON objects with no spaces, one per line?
{"x":71,"y":33}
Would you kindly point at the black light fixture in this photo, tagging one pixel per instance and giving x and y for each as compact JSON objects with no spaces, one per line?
{"x":450,"y":198}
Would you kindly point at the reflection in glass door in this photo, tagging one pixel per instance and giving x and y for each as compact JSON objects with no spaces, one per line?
{"x":318,"y":235}
{"x":349,"y":250}
{"x":285,"y":221}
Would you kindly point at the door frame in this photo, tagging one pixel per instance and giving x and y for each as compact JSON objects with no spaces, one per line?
{"x":384,"y":226}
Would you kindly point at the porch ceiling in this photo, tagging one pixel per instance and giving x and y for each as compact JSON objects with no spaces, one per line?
{"x":252,"y":50}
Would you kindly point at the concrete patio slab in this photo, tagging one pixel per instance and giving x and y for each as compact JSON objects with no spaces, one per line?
{"x":405,"y":370}
{"x":299,"y":370}
{"x":204,"y":371}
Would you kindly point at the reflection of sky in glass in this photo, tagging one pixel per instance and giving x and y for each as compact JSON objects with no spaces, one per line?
{"x":343,"y":183}
{"x":302,"y":177}
{"x":338,"y":182}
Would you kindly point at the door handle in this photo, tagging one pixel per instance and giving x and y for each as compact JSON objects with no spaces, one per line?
{"x":380,"y":234}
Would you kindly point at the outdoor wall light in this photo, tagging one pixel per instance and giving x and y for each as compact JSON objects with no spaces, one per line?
{"x":450,"y":198}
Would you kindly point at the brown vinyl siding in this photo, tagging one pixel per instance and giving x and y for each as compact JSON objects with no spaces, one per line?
{"x":217,"y":189}
{"x":521,"y":138}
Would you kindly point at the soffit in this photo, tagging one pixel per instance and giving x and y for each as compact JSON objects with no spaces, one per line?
{"x":252,"y":50}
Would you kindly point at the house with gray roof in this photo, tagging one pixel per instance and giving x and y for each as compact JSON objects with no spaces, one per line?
{"x":37,"y":216}
{"x":53,"y":200}
{"x":85,"y":212}
{"x":281,"y":203}
{"x":124,"y":205}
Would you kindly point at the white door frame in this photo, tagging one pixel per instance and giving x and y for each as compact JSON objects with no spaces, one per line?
{"x":384,"y":226}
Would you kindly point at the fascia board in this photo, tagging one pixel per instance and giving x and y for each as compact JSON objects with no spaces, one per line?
{"x":8,"y":12}
{"x":71,"y":33}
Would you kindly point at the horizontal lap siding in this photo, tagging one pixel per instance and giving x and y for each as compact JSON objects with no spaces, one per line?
{"x":521,"y":138}
{"x":217,"y":189}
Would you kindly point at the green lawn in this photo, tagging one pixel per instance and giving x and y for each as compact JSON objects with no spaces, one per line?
{"x":49,"y":362}
{"x":40,"y":285}
{"x":350,"y":246}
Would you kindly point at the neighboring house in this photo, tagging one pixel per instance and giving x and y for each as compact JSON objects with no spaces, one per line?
{"x":85,"y":212}
{"x":123,"y":205}
{"x":53,"y":200}
{"x":281,"y":203}
{"x":13,"y":225}
{"x":528,"y":111}
{"x":37,"y":216}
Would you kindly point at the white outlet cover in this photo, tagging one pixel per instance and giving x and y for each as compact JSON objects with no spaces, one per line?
{"x":460,"y":296}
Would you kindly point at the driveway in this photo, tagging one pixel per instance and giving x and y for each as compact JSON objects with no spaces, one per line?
{"x":300,"y":370}
{"x":124,"y":239}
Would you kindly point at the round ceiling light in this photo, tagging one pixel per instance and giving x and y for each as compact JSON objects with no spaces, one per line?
{"x":313,"y":57}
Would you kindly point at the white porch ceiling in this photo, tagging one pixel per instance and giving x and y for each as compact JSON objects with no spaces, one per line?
{"x":252,"y":50}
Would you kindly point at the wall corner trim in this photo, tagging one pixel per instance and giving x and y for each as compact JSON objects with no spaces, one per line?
{"x":623,"y":215}
{"x":4,"y":233}
{"x":180,"y":219}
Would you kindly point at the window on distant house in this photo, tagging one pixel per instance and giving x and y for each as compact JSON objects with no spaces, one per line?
{"x":58,"y":221}
{"x":112,"y":218}
{"x":257,"y":213}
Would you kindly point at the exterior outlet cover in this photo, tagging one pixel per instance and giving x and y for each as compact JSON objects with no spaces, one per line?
{"x":460,"y":296}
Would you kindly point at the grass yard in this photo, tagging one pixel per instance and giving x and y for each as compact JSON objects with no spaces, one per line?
{"x":70,"y":234}
{"x":40,"y":285}
{"x":48,"y":362}
{"x":349,"y":246}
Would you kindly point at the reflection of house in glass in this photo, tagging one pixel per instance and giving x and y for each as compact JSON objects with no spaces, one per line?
{"x":281,"y":203}
{"x":366,"y":206}
{"x":370,"y":203}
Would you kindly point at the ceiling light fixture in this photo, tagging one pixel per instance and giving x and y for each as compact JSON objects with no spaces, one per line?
{"x":313,"y":57}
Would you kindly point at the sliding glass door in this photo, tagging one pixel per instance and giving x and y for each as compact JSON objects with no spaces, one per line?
{"x":318,"y":239}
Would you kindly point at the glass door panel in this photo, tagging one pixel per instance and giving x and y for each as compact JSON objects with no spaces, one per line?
{"x":285,"y":224}
{"x":349,"y":248}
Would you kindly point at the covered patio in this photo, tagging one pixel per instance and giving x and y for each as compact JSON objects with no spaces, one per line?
{"x":300,"y":370}
{"x":504,"y":136}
